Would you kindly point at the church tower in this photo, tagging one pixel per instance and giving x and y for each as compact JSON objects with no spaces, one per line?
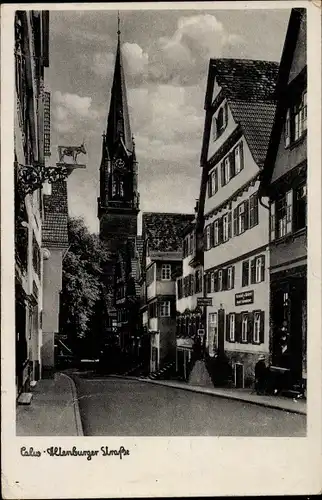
{"x":118,"y":208}
{"x":118,"y":204}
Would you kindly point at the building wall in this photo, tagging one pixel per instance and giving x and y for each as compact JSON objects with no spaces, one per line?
{"x":292,"y":251}
{"x":239,"y":245}
{"x":250,"y":170}
{"x":51,"y":290}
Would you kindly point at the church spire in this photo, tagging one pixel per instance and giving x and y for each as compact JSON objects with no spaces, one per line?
{"x":118,"y":122}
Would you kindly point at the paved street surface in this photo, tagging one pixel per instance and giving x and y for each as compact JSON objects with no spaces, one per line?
{"x":116,"y":407}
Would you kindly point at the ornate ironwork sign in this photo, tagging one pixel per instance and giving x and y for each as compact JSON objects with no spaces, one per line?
{"x":32,"y":177}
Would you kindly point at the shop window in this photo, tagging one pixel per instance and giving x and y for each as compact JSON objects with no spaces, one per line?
{"x":166,"y":272}
{"x":165,"y":309}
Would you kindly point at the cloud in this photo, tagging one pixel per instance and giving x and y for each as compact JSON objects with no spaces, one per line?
{"x":103,"y":64}
{"x":71,"y":112}
{"x":137,"y":60}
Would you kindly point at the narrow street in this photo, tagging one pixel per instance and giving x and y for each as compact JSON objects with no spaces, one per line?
{"x":116,"y":407}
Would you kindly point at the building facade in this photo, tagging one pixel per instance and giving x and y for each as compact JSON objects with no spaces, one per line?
{"x":118,"y":208}
{"x":285,"y":182}
{"x":31,"y":145}
{"x":191,"y":320}
{"x":161,"y":264}
{"x":240,"y":108}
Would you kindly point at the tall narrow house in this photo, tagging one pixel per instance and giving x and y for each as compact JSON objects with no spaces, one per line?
{"x":284,"y":182}
{"x":118,"y":207}
{"x":240,"y":110}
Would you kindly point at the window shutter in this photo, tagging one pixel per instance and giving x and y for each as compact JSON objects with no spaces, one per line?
{"x":250,"y":327}
{"x":272,"y":221}
{"x":233,"y":277}
{"x":262,"y":327}
{"x":241,"y":153}
{"x":232,"y":164}
{"x":253,"y":271}
{"x":212,"y":235}
{"x":255,"y":209}
{"x":222,"y":171}
{"x":245,"y":273}
{"x":225,"y":279}
{"x":220,"y":230}
{"x":263,"y":268}
{"x":216,"y":180}
{"x":235,"y":222}
{"x":172,"y":309}
{"x":216,"y":281}
{"x":208,"y":283}
{"x":227,"y":328}
{"x":238,"y":320}
{"x":246,"y":214}
{"x":251,"y":211}
{"x":229,"y":226}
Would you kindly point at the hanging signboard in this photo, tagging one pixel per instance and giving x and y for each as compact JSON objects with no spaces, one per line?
{"x":204,"y":301}
{"x":244,"y":298}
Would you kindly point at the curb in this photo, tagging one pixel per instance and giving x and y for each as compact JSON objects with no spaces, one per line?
{"x":211,"y":392}
{"x":79,"y":425}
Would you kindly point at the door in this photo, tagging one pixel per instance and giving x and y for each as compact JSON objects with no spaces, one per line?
{"x":239,"y":375}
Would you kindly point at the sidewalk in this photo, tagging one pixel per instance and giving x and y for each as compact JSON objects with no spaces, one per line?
{"x":246,"y":395}
{"x":53,"y":410}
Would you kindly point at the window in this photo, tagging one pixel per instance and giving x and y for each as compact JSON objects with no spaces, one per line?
{"x":244,"y":327}
{"x":216,"y":232}
{"x":287,"y":129}
{"x":198,"y":281}
{"x":253,"y":210}
{"x":220,"y":121}
{"x":164,"y":309}
{"x":284,"y":208}
{"x":257,"y":326}
{"x":192,"y":243}
{"x":245,"y":273}
{"x":213,"y":333}
{"x":230,"y":277}
{"x":226,"y":227}
{"x":213,"y":183}
{"x":166,"y":272}
{"x":220,"y":280}
{"x":239,"y":160}
{"x":272,"y":221}
{"x":232,"y":327}
{"x":300,"y":207}
{"x":227,"y":169}
{"x":260,"y":269}
{"x":241,"y":218}
{"x":208,"y":243}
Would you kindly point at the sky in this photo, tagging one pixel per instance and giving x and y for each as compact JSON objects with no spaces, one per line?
{"x":166,"y":57}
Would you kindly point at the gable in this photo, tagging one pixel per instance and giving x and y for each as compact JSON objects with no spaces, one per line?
{"x":216,"y":90}
{"x":299,"y":56}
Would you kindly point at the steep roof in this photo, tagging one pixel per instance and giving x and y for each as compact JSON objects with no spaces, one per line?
{"x":55,"y":224}
{"x":249,"y":86}
{"x":164,"y":230}
{"x":297,"y":16}
{"x":118,"y":122}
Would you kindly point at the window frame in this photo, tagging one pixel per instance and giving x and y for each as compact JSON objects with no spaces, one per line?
{"x":232,"y":337}
{"x":258,"y":314}
{"x":167,"y":268}
{"x":244,"y":338}
{"x":220,"y":280}
{"x":163,"y":304}
{"x":225,"y":220}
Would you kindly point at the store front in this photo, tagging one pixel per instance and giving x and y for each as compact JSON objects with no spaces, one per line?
{"x":289,"y":322}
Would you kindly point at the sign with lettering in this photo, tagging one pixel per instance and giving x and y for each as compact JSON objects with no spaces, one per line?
{"x":204,"y":301}
{"x":244,"y":298}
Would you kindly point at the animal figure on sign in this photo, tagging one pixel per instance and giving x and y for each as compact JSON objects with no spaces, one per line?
{"x":72,"y":151}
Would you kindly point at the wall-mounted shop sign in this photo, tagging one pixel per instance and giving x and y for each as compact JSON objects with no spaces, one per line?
{"x":204,"y":301}
{"x":244,"y":298}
